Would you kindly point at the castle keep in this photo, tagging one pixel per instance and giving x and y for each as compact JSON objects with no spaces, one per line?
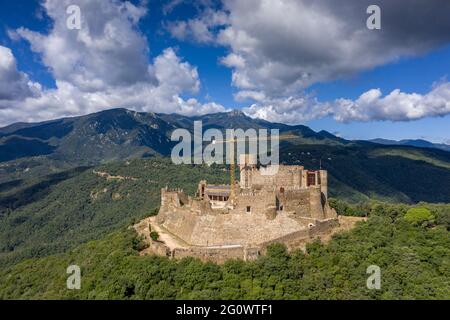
{"x":239,"y":221}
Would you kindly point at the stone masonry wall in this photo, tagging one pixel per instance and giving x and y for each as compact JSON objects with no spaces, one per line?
{"x":287,"y":176}
{"x":258,"y":202}
{"x":297,"y":201}
{"x":295,"y":239}
{"x":227,"y":229}
{"x":218,"y":255}
{"x":221,"y":254}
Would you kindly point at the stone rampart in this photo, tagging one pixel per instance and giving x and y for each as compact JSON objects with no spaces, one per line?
{"x":217,"y":255}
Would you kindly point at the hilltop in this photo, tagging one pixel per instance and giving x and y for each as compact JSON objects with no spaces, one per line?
{"x":413,"y":142}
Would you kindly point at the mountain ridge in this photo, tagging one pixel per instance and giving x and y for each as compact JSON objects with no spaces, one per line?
{"x":125,"y":133}
{"x":358,"y":170}
{"x":420,"y":143}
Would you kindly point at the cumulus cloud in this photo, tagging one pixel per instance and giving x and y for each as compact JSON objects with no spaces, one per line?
{"x":172,"y":74}
{"x":285,"y":46}
{"x":278,"y":49}
{"x":291,"y":110}
{"x":106,"y":51}
{"x":103,"y":65}
{"x":199,"y":29}
{"x":369,"y":106}
{"x":14,"y":85}
{"x":396,"y":106}
{"x":178,"y":76}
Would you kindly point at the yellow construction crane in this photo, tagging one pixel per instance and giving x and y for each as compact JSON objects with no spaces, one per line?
{"x":232,"y":171}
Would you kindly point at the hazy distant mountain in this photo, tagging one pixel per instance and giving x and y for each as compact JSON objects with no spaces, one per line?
{"x":414,"y":143}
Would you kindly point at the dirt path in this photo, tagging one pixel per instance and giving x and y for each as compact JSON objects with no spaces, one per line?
{"x":109,"y":177}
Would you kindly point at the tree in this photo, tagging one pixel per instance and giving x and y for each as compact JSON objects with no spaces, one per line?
{"x":154,"y":235}
{"x":417,"y":216}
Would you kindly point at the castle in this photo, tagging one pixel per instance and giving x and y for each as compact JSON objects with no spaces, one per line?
{"x":239,"y":221}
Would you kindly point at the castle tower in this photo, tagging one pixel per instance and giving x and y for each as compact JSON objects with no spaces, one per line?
{"x":247,"y":163}
{"x":201,"y":189}
{"x":324,"y":182}
{"x":315,"y":204}
{"x":304,"y":179}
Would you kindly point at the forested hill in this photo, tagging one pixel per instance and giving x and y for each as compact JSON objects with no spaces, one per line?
{"x":410,"y":245}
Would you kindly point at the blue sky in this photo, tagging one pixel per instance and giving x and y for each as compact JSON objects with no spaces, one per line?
{"x":212,"y":57}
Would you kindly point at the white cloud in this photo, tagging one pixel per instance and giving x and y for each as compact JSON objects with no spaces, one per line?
{"x":286,"y":46}
{"x":370,"y":106}
{"x":245,"y":95}
{"x":106,"y":51}
{"x":292,"y":110}
{"x":396,"y":106}
{"x":179,"y":76}
{"x":14,"y":85}
{"x":104,"y":65}
{"x":173,"y":76}
{"x":233,"y":61}
{"x":198,"y":29}
{"x":277,"y":49}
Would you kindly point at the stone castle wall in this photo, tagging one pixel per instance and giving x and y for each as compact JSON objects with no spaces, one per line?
{"x":258,"y":201}
{"x":287,"y":176}
{"x":217,"y":255}
{"x":254,"y":218}
{"x":297,"y":201}
{"x":226,"y":229}
{"x":298,"y":238}
{"x":220,"y":254}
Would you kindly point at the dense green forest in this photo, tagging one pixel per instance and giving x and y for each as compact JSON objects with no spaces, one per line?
{"x":410,"y":244}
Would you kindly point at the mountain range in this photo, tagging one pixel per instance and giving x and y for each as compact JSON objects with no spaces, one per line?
{"x":358,"y":170}
{"x":413,"y":142}
{"x":120,"y":134}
